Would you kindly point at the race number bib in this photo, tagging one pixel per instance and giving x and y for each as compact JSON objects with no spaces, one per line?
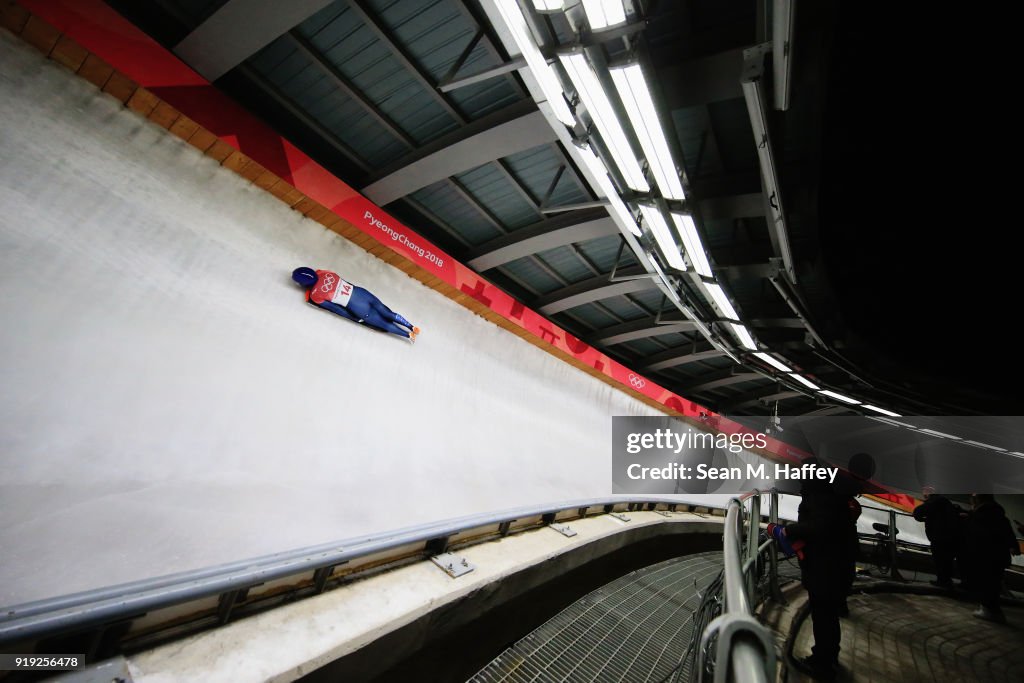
{"x":330,"y":287}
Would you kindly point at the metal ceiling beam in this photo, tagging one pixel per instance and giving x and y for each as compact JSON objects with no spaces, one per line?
{"x":474,"y":147}
{"x":578,"y":226}
{"x":715,"y":78}
{"x":718,"y":380}
{"x":735,"y":206}
{"x":240,"y":29}
{"x":301,"y":115}
{"x":753,"y":400}
{"x":681,"y":356}
{"x":594,"y":289}
{"x":642,"y":329}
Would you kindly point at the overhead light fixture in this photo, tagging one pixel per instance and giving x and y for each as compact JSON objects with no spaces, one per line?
{"x":984,"y":445}
{"x":604,"y":13}
{"x":657,"y":224}
{"x":883,"y":411}
{"x":589,"y":88}
{"x":743,"y":334}
{"x":721,"y":300}
{"x":806,"y":382}
{"x":548,"y":5}
{"x":782,"y":40}
{"x":636,"y":97}
{"x":941,"y":435}
{"x":770,"y":360}
{"x":542,"y":71}
{"x":664,"y":278}
{"x":691,"y":240}
{"x":753,"y":70}
{"x":839,"y":397}
{"x":605,"y":185}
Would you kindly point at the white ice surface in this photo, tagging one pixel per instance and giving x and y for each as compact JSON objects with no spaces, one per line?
{"x":170,"y":402}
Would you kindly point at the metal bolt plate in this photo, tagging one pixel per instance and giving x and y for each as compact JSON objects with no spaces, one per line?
{"x":453,"y":565}
{"x":563,"y":529}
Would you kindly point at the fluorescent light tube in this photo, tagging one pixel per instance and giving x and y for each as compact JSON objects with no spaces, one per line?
{"x":743,"y":334}
{"x":883,"y":411}
{"x":840,"y":397}
{"x":721,"y":300}
{"x":545,"y":75}
{"x":636,"y":96}
{"x":548,"y":5}
{"x":985,"y":445}
{"x":806,"y":382}
{"x":606,"y":187}
{"x":604,"y":13}
{"x":942,"y":435}
{"x":656,"y":223}
{"x":588,"y":87}
{"x":691,"y":240}
{"x":770,"y":360}
{"x":664,"y":278}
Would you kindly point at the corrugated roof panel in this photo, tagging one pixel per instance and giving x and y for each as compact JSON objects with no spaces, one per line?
{"x":602,"y":252}
{"x":693,"y":127}
{"x":292,"y":73}
{"x":526,"y":270}
{"x":594,"y":316}
{"x":368,"y":64}
{"x":492,"y":188}
{"x":536,"y":168}
{"x":643,"y":347}
{"x":566,"y":263}
{"x":653,"y":299}
{"x":444,"y":201}
{"x":435,"y":34}
{"x":623,"y":307}
{"x":674,"y":338}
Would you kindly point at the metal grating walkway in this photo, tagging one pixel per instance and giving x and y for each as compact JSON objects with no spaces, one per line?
{"x":636,"y":628}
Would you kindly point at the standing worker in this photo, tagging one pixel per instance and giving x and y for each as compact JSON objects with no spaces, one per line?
{"x":821,"y":539}
{"x":990,"y":543}
{"x":941,"y":521}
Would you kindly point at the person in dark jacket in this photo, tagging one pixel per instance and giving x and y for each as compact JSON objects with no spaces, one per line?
{"x":941,"y":525}
{"x":821,"y":537}
{"x":990,"y":543}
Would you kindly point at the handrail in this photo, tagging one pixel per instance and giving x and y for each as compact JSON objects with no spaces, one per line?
{"x":80,"y":611}
{"x":744,"y":650}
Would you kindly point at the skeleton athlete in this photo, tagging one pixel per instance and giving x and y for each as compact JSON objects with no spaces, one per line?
{"x":327,"y":290}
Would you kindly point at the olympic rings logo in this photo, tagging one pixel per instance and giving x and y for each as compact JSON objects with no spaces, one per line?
{"x":328,"y":283}
{"x":637,"y":382}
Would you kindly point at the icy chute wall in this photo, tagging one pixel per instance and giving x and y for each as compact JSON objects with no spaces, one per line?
{"x":170,"y":401}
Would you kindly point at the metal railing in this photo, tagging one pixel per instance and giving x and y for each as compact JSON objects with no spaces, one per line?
{"x":892,"y":543}
{"x":195,"y":600}
{"x":735,"y":646}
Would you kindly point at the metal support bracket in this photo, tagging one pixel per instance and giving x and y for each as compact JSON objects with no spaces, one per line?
{"x":621,"y":516}
{"x":563,"y":529}
{"x":664,"y":513}
{"x":453,"y":565}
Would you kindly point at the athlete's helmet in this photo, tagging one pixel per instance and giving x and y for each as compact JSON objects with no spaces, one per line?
{"x":304,"y":276}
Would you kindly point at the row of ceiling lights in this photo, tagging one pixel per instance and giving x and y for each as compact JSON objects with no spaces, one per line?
{"x":634,"y":93}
